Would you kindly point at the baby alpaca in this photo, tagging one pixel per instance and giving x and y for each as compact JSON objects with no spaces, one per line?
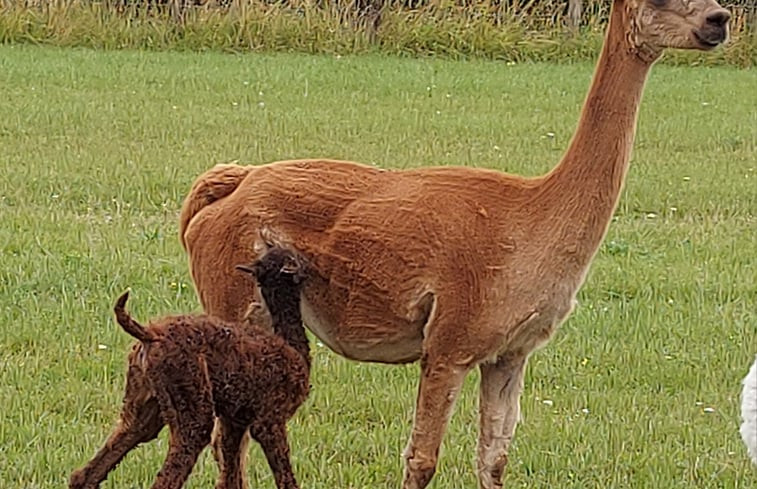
{"x":749,"y":412}
{"x":187,"y":370}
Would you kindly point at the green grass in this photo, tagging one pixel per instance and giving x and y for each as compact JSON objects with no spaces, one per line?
{"x":97,"y":150}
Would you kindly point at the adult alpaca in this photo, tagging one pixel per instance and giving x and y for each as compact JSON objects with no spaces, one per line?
{"x":749,"y":412}
{"x":455,"y":267}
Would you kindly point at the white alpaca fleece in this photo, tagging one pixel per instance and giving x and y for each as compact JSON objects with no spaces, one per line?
{"x":749,"y":412}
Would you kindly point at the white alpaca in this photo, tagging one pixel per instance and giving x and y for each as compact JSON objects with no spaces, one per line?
{"x":749,"y":412}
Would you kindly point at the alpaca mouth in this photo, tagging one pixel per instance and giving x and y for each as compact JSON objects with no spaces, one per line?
{"x":711,"y":38}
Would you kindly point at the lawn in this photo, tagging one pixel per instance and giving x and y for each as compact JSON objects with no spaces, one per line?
{"x":638,"y":389}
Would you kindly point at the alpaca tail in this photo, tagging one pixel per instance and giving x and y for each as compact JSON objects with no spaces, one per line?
{"x":213,"y":185}
{"x":129,"y":324}
{"x":749,"y":412}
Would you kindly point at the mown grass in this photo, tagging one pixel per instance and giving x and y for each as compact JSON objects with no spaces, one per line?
{"x":511,"y":31}
{"x":638,"y":389}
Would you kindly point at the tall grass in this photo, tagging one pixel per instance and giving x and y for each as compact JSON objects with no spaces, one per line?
{"x":515,"y":31}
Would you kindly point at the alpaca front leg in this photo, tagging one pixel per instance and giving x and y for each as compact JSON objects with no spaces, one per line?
{"x":439,"y":387}
{"x":273,"y":441}
{"x":499,"y":407}
{"x":137,"y":425}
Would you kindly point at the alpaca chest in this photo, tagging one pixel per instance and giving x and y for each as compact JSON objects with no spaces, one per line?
{"x":536,"y":329}
{"x":534,"y":316}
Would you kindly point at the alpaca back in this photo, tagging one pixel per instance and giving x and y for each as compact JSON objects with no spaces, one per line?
{"x":253,"y":371}
{"x":749,"y":412}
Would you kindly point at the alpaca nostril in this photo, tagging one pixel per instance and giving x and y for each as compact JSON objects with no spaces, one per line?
{"x":719,"y":18}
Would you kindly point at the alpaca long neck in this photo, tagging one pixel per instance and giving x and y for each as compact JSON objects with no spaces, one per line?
{"x":286,"y":321}
{"x":585,"y":187}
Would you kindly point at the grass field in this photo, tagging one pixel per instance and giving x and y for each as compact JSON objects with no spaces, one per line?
{"x":639,"y":389}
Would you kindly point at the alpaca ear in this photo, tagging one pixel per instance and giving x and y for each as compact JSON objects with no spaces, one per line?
{"x":268,"y":237}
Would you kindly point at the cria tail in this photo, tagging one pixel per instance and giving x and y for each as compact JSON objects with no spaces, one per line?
{"x":130,"y":325}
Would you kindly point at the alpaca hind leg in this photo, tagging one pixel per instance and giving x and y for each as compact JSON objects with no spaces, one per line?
{"x":222,"y":290}
{"x":186,"y":404}
{"x":273,"y":441}
{"x":439,"y":387}
{"x":499,"y":406}
{"x":140,"y":422}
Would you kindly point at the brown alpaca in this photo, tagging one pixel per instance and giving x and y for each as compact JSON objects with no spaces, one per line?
{"x":456,"y":267}
{"x":187,"y":370}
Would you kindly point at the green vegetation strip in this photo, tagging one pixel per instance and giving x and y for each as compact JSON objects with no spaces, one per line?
{"x":639,"y":389}
{"x":536,"y":32}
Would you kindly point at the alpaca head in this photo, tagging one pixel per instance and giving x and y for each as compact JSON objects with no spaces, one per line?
{"x":683,"y":24}
{"x":280,"y":273}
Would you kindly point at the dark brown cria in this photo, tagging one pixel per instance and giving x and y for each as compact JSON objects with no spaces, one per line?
{"x":187,"y":371}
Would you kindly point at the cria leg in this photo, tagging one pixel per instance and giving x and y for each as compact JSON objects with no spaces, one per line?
{"x":186,"y":404}
{"x":140,"y":422}
{"x":273,"y":441}
{"x":232,"y":448}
